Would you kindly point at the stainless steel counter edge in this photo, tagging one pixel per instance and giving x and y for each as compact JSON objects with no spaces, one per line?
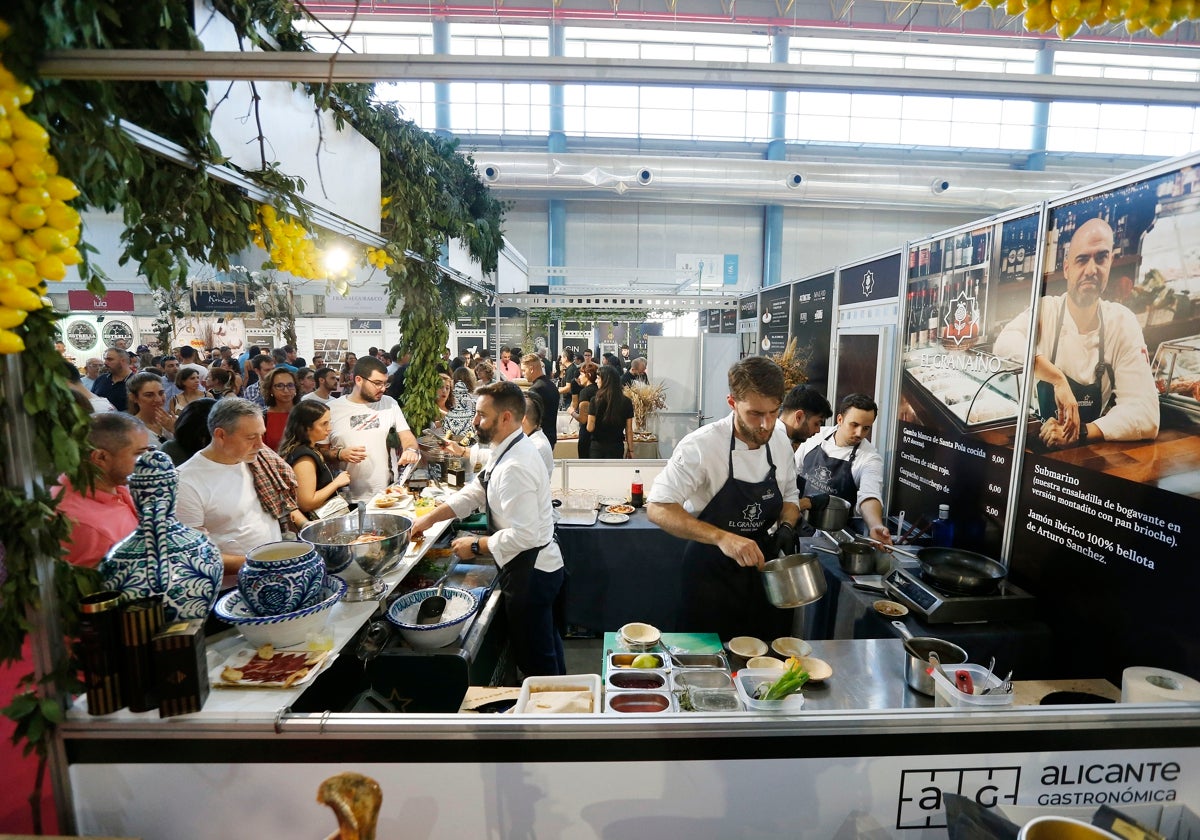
{"x":606,"y":726}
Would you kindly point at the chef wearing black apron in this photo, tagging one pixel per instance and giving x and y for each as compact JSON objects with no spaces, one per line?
{"x":738,"y":474}
{"x":845,"y":463}
{"x":515,"y":491}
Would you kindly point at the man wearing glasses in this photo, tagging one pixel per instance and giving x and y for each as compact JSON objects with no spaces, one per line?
{"x":360,"y":422}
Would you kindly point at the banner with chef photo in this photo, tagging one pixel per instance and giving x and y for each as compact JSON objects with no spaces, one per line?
{"x":1107,"y":529}
{"x":959,"y":405}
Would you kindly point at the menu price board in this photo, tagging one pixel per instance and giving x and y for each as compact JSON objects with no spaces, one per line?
{"x":812,"y":325}
{"x":729,"y":321}
{"x":960,"y":402}
{"x":774,"y":318}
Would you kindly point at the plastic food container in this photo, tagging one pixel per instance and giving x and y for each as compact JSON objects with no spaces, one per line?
{"x":946,"y":694}
{"x":749,"y":679}
{"x":568,"y":682}
{"x":704,"y":700}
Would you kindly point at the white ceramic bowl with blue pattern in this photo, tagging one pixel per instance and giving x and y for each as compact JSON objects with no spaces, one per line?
{"x":460,"y":606}
{"x":284,"y":630}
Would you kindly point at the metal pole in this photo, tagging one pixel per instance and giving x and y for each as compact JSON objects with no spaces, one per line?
{"x":46,"y":637}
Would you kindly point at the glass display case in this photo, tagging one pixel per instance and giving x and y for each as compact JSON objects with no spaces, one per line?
{"x":1177,"y":375}
{"x":974,"y":390}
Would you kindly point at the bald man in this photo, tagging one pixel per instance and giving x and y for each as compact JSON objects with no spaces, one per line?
{"x":1090,"y":363}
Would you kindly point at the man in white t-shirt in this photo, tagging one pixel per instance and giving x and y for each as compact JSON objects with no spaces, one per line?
{"x":360,"y":422}
{"x":327,"y":382}
{"x":216,"y":487}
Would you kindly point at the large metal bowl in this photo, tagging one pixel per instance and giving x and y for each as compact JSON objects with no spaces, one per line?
{"x":793,"y":581}
{"x":361,"y":565}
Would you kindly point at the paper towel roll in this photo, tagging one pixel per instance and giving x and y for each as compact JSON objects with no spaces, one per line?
{"x":1157,"y":685}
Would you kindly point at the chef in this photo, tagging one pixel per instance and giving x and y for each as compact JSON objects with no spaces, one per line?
{"x":844,"y":463}
{"x":1093,"y":374}
{"x":514,"y":489}
{"x":730,"y":489}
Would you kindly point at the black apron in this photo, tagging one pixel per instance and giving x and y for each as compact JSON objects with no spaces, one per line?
{"x":1089,"y":397}
{"x":826,"y":474}
{"x":514,"y":580}
{"x":719,"y":595}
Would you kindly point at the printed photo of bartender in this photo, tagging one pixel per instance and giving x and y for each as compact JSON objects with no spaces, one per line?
{"x":730,"y":490}
{"x":1090,"y":364}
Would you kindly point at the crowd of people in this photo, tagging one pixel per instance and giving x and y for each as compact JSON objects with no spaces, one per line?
{"x":266,"y":443}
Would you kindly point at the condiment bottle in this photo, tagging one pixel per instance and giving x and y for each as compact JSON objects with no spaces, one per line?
{"x":635,"y":490}
{"x":943,"y":528}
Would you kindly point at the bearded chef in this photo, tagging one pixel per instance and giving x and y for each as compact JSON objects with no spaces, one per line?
{"x":1093,"y":374}
{"x":730,"y":489}
{"x":844,"y":463}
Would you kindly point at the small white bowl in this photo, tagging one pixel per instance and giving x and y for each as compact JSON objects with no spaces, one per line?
{"x":639,"y":636}
{"x":765,"y":663}
{"x":818,"y":669}
{"x":747,"y":647}
{"x":791,"y":646}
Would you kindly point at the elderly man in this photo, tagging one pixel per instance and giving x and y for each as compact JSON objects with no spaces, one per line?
{"x":844,"y":463}
{"x":104,"y":515}
{"x":730,"y":489}
{"x":91,"y":371}
{"x":542,"y":385}
{"x":359,"y":426}
{"x":262,"y":364}
{"x":1092,"y":371}
{"x":216,"y":485}
{"x":514,"y":489}
{"x":111,"y":384}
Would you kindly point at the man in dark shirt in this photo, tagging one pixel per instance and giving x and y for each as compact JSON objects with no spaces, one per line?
{"x":542,"y":385}
{"x":636,"y":373}
{"x":111,"y":383}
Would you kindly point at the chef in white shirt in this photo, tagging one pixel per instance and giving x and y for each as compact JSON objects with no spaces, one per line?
{"x":730,"y":489}
{"x":514,"y":489}
{"x":1093,"y":374}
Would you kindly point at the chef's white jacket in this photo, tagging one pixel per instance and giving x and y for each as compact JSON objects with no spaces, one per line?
{"x":519,"y":492}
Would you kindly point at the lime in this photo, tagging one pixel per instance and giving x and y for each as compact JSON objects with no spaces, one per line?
{"x":645,"y":660}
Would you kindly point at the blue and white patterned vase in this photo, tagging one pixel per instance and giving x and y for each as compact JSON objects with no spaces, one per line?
{"x":163,"y":556}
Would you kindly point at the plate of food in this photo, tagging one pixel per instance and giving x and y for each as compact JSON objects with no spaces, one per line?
{"x":266,"y":667}
{"x":613,"y":518}
{"x":623,"y":509}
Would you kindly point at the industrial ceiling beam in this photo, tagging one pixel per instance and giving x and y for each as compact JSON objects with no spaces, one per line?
{"x":181,"y":65}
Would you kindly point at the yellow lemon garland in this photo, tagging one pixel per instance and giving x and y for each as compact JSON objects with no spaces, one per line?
{"x":38,"y":229}
{"x":1068,"y":16}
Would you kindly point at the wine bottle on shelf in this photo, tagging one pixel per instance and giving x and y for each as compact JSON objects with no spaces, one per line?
{"x":933,"y":314}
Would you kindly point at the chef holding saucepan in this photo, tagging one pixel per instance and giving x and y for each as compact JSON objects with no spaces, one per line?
{"x":725,"y":489}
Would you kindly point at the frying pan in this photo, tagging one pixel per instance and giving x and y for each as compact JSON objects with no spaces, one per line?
{"x":961,"y":571}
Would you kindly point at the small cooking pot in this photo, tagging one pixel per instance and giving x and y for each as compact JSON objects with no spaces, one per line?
{"x":833,"y":517}
{"x":793,"y":581}
{"x":855,"y":558}
{"x":916,"y":663}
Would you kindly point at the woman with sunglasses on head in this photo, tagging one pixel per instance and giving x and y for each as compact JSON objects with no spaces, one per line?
{"x":308,"y":426}
{"x":279,"y":393}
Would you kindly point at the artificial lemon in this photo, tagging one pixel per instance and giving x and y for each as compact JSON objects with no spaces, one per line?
{"x":10,"y":342}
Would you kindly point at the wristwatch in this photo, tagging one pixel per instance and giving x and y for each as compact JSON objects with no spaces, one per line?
{"x":475,"y":546}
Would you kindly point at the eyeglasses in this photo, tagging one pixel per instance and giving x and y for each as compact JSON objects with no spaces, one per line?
{"x":285,"y":386}
{"x":377,"y":383}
